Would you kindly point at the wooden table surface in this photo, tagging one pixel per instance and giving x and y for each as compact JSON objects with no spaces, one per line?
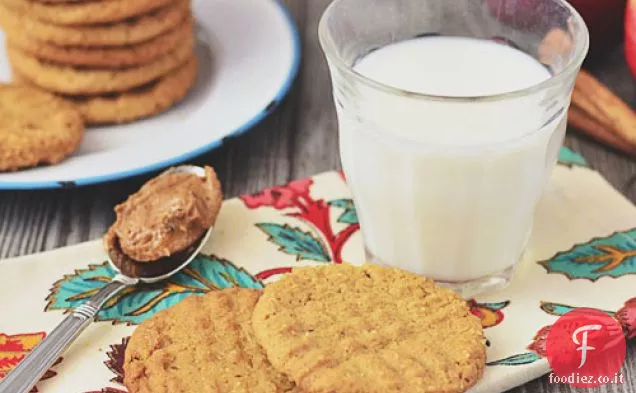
{"x":298,"y":140}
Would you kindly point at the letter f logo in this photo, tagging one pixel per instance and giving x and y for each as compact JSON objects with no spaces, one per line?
{"x":583,"y":344}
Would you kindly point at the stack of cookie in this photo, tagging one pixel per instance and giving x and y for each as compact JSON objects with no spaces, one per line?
{"x":118,"y":60}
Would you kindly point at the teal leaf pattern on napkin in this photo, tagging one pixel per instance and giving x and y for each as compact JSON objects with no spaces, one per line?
{"x":516,"y":360}
{"x":558,"y":309}
{"x":569,"y":157}
{"x":612,"y":256}
{"x":134,"y":305}
{"x":349,"y":216}
{"x":496,"y":306}
{"x":295,"y":241}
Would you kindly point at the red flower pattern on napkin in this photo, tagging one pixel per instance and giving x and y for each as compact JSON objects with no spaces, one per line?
{"x":627,"y":317}
{"x":13,"y":348}
{"x":279,"y":197}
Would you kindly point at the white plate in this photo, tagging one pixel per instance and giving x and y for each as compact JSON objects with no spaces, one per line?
{"x":249,"y":53}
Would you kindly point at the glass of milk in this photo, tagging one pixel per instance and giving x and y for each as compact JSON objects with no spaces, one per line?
{"x":451,"y":115}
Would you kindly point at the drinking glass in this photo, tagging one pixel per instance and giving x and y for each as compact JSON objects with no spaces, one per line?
{"x":459,"y":213}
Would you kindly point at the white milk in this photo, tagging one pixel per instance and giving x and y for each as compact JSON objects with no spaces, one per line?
{"x":447,"y":189}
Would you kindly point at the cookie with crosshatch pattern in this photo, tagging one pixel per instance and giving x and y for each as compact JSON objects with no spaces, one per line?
{"x":204,"y":344}
{"x":346,"y":329}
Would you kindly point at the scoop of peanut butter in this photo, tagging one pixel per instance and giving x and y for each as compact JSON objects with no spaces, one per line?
{"x":167,"y":215}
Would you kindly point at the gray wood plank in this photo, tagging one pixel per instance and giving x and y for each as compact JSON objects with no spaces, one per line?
{"x":316,"y":140}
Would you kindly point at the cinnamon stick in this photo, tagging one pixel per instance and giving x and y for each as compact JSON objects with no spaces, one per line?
{"x":580,"y":120}
{"x":602,"y":106}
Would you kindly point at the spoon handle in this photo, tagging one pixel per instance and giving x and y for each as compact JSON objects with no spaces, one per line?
{"x":29,"y":371}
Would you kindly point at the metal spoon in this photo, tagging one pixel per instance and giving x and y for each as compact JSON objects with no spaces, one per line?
{"x":29,"y":371}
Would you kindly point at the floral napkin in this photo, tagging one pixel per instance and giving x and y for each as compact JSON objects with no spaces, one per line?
{"x":582,"y":254}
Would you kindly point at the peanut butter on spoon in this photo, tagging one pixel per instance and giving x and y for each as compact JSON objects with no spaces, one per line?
{"x":164,"y":219}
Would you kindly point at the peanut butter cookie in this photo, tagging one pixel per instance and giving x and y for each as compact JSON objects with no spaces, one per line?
{"x":131,"y":31}
{"x":116,"y":57}
{"x":85,"y":12}
{"x":204,"y":344}
{"x":75,"y":81}
{"x":346,"y":329}
{"x":36,"y":128}
{"x":140,"y":103}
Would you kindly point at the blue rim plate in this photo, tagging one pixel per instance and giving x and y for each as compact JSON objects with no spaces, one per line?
{"x":249,"y":55}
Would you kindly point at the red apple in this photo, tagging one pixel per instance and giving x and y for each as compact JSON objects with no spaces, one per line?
{"x":604,"y":20}
{"x":630,"y":35}
{"x":602,"y":17}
